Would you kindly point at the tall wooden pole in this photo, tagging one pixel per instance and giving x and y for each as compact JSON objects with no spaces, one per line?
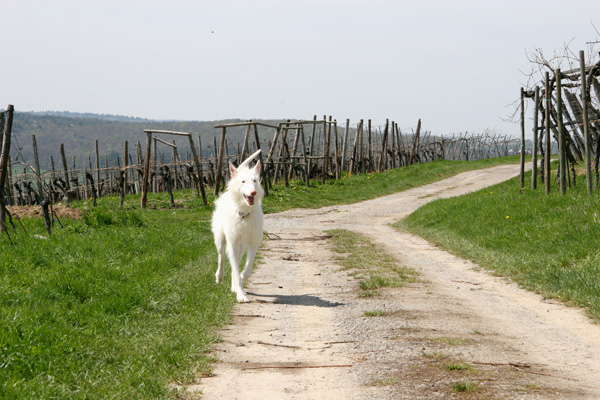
{"x":536,"y":110}
{"x":344,"y":144}
{"x":548,"y":104}
{"x":220,"y":161}
{"x":522,"y":170}
{"x":198,"y":165}
{"x":561,"y":134}
{"x":586,"y":122}
{"x":146,"y":175}
{"x":36,"y":159}
{"x":63,"y":158}
{"x":5,"y":153}
{"x":125,"y":163}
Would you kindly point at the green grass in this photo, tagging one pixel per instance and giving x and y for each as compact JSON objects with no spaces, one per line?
{"x":374,"y":268}
{"x":374,"y":313}
{"x":464,"y":387}
{"x":457,"y":367}
{"x":548,"y":244}
{"x":114,"y":305}
{"x":119,"y":304}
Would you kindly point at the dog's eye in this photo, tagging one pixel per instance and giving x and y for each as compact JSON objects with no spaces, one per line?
{"x":243,"y":181}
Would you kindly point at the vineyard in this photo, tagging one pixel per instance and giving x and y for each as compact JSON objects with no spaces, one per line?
{"x":308,"y":150}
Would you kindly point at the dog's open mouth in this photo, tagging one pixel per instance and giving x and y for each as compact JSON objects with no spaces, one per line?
{"x":250,"y":200}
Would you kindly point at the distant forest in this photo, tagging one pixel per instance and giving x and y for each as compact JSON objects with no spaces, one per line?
{"x":79,"y":131}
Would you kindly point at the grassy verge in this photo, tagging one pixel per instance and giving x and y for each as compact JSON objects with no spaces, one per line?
{"x":115,"y":305}
{"x":548,"y":244}
{"x":122,"y":302}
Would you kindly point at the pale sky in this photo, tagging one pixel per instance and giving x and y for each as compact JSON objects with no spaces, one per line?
{"x":454,"y":64}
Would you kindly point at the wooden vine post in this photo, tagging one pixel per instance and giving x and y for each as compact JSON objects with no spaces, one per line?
{"x":586,"y":123}
{"x":534,"y":170}
{"x":548,"y":101}
{"x":146,"y":174}
{"x":522,"y":158}
{"x":220,"y":161}
{"x":561,"y":134}
{"x":4,"y":155}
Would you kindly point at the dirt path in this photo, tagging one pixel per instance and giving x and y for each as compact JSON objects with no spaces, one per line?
{"x":305,"y":335}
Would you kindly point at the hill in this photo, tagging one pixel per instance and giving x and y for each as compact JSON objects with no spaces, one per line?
{"x":79,"y":132}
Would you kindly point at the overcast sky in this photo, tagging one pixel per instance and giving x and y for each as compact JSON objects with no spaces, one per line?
{"x":454,"y":64}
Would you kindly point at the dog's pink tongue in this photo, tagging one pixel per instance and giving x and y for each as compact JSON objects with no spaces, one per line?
{"x":250,"y":200}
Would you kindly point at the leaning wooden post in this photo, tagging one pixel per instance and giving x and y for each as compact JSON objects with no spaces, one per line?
{"x":415,"y":143}
{"x":384,"y":140}
{"x":145,"y":177}
{"x":369,"y":148}
{"x":344,"y":144}
{"x":98,"y":168}
{"x":306,"y":177}
{"x":4,"y":155}
{"x":38,"y":173}
{"x":561,"y":134}
{"x":522,"y":170}
{"x":65,"y":167}
{"x":586,"y":123}
{"x":536,"y":109}
{"x":198,"y":168}
{"x":220,"y":161}
{"x":336,"y":150}
{"x":548,"y":101}
{"x":125,"y":164}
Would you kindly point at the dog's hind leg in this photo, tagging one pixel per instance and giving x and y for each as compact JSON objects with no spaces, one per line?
{"x":252,"y":250}
{"x":235,"y":254}
{"x":220,"y":242}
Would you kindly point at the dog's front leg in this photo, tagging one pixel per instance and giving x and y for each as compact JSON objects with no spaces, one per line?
{"x":236,"y":282}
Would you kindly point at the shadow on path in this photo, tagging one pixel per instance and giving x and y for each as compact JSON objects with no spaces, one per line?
{"x":297,"y":300}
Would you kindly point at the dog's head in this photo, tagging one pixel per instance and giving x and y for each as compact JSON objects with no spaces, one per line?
{"x":245,"y":181}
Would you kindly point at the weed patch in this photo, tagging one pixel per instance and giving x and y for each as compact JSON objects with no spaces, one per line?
{"x":363,"y":259}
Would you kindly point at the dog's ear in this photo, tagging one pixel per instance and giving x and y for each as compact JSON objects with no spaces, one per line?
{"x":257,"y":169}
{"x":232,"y":170}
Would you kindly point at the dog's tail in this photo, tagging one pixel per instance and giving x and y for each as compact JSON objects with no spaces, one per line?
{"x":247,"y":161}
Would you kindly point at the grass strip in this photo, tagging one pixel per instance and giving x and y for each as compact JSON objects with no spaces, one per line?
{"x":548,"y":244}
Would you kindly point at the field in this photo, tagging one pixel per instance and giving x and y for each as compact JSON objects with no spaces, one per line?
{"x":121,"y":303}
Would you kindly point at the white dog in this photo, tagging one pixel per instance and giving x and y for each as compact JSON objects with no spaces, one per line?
{"x":237,"y":223}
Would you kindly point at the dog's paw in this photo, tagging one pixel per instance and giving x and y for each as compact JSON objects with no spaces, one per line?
{"x":219,"y":278}
{"x":244,"y":275}
{"x":241,"y":298}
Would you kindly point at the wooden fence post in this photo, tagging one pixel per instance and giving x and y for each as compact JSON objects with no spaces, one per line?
{"x":198,"y":164}
{"x":536,"y":109}
{"x":220,"y":161}
{"x":522,"y":169}
{"x":65,"y":167}
{"x":548,"y":101}
{"x":4,"y":156}
{"x":344,"y":143}
{"x":415,"y":143}
{"x":98,"y":168}
{"x":145,"y":177}
{"x":125,"y":164}
{"x":561,"y":134}
{"x":586,"y":122}
{"x":38,"y":173}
